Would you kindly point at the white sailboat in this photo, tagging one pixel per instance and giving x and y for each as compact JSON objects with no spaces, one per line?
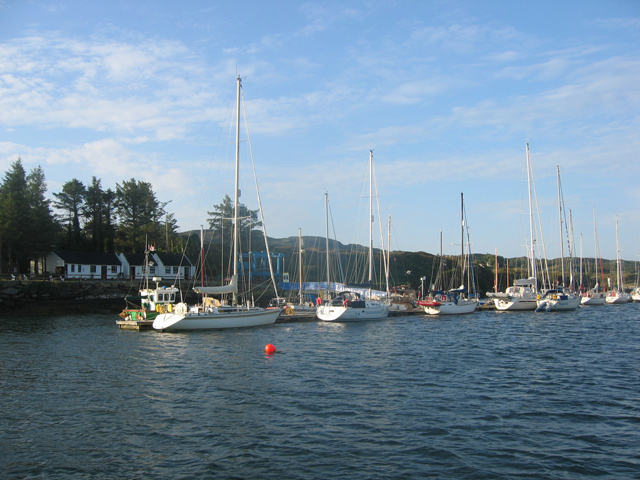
{"x":560,"y":298}
{"x":350,"y":306}
{"x":595,"y":296}
{"x":455,"y":301}
{"x":618,"y":296}
{"x":209,"y":315}
{"x":522,"y":295}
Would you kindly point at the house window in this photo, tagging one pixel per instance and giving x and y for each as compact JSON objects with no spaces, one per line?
{"x":152,"y":270}
{"x":92,"y":269}
{"x":175,"y":270}
{"x":167,"y":270}
{"x":114,"y":269}
{"x":73,"y":268}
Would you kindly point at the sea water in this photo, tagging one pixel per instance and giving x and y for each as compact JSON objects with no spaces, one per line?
{"x":490,"y":395}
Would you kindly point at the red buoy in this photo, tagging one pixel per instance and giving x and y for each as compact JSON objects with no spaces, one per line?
{"x":270,"y":349}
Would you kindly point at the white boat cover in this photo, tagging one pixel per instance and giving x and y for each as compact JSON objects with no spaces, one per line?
{"x":231,"y":287}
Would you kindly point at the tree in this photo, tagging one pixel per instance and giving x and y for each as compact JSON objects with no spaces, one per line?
{"x":140,"y":216}
{"x":42,"y":227}
{"x":70,"y":202}
{"x":249,"y":228}
{"x":14,"y":217}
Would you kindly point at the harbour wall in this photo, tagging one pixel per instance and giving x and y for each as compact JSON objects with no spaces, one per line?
{"x":54,"y":296}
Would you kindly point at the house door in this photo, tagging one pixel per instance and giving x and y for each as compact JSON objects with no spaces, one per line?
{"x":103,"y":273}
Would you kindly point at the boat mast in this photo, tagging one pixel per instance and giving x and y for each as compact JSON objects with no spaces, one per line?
{"x":560,"y":217}
{"x":370,"y":221}
{"x":326,"y":215}
{"x":300,"y":262}
{"x":236,"y":194}
{"x":532,"y":253}
{"x":462,"y":258}
{"x":620,"y":286}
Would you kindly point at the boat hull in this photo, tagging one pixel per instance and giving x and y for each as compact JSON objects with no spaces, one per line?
{"x":337,"y":313}
{"x":512,"y":304}
{"x":615,"y":298}
{"x":215,"y":320}
{"x":452,"y":308}
{"x":597,"y":299}
{"x":558,"y":305}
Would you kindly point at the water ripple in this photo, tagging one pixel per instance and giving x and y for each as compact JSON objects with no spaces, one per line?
{"x":494,"y":395}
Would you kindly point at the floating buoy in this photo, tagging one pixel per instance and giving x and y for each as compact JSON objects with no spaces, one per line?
{"x":270,"y":349}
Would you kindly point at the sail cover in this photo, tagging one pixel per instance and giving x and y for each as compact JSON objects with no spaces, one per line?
{"x":232,"y":287}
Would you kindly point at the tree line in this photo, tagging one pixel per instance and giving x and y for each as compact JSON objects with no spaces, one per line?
{"x":81,"y":217}
{"x":91,"y":218}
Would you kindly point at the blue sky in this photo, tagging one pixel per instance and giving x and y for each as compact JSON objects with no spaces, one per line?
{"x":446,"y":93}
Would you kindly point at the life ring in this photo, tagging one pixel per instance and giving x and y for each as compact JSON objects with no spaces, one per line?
{"x":443,"y":298}
{"x":319,"y":301}
{"x":288,"y":311}
{"x":347,"y":302}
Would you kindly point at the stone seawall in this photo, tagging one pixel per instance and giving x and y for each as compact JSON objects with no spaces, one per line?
{"x":55,"y":297}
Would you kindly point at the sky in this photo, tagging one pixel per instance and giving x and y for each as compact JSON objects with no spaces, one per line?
{"x":445,"y":93}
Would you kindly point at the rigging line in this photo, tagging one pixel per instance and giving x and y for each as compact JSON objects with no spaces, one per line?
{"x":255,"y":177}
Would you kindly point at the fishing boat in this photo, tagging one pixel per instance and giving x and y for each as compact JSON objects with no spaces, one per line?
{"x":150,"y":302}
{"x":618,"y":296}
{"x":560,"y":298}
{"x":594,"y":296}
{"x":454,"y":301}
{"x":522,"y":295}
{"x":351,"y":306}
{"x":210,"y":313}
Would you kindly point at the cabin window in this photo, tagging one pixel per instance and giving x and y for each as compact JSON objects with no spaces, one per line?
{"x":92,"y":269}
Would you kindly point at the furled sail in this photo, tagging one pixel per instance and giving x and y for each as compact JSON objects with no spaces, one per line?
{"x":232,"y":287}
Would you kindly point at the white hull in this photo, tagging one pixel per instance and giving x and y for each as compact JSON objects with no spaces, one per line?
{"x":559,"y":305}
{"x":336,"y":313}
{"x":617,"y":298}
{"x":234,"y":318}
{"x":510,"y":304}
{"x":594,"y":299}
{"x":452,"y":308}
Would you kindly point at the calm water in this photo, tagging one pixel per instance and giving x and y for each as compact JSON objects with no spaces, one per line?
{"x":493,"y":395}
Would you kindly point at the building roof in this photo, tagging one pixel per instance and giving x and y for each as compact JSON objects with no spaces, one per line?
{"x":87,"y":258}
{"x":173,"y":259}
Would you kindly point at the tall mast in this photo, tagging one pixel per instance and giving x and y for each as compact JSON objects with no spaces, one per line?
{"x":300,"y":264}
{"x":532,"y":253}
{"x":462,"y":237}
{"x":236,"y":193}
{"x":620,"y":286}
{"x":370,"y":221}
{"x":560,"y":217}
{"x":595,"y":235}
{"x":326,"y":215}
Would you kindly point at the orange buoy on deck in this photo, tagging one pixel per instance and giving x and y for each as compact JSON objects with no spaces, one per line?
{"x":270,"y":349}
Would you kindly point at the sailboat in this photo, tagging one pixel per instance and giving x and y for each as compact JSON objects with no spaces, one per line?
{"x":618,"y":296}
{"x":350,"y":306}
{"x":455,"y":301}
{"x":560,"y":298}
{"x":209,"y":314}
{"x":522,"y":295}
{"x":595,"y":296}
